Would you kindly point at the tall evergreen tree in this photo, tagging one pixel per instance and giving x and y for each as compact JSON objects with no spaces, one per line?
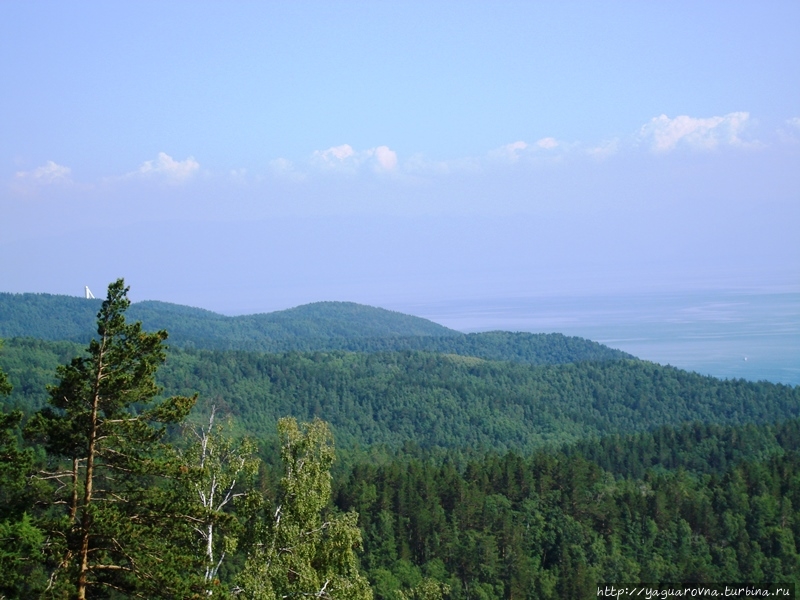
{"x":119,"y":527}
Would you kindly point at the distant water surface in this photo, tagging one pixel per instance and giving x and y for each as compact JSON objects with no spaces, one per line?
{"x":754,"y":336}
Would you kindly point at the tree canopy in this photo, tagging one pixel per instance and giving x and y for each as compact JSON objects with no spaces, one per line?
{"x":103,"y":434}
{"x":463,"y":479}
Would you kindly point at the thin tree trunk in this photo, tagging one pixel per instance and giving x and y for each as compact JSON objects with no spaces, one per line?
{"x":210,"y":553}
{"x":87,"y":499}
{"x":83,"y":571}
{"x":73,"y":509}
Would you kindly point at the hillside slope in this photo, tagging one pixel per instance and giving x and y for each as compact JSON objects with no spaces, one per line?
{"x":321,"y":326}
{"x":435,"y":400}
{"x":54,"y":317}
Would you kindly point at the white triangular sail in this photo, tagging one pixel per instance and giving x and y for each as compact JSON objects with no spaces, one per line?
{"x":89,"y":293}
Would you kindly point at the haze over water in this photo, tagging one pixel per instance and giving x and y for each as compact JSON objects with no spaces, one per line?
{"x":755,"y":336}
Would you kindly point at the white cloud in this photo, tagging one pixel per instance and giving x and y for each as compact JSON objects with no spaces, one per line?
{"x":46,"y":174}
{"x":336,"y":155}
{"x":284,"y":168}
{"x":510,"y":152}
{"x":281,"y":165}
{"x":336,"y":158}
{"x":791,"y":133}
{"x":605,"y":149}
{"x":666,"y":134}
{"x":166,"y":166}
{"x":547,"y":143}
{"x":238,"y":176}
{"x":514,"y":151}
{"x":344,"y":158}
{"x":386,"y":159}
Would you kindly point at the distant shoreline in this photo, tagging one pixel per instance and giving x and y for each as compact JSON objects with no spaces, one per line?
{"x":710,"y":332}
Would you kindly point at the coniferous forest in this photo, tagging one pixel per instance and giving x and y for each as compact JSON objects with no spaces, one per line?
{"x":333,"y":451}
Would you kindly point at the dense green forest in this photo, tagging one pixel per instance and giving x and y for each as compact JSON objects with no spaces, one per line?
{"x":106,"y":492}
{"x":558,"y":525}
{"x":313,"y":327}
{"x":433,"y":399}
{"x":500,"y":466}
{"x":48,"y":316}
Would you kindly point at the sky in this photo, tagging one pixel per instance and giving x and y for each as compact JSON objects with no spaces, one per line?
{"x":252,"y":156}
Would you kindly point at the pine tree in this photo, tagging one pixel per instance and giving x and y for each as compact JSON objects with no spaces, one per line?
{"x":120,"y":526}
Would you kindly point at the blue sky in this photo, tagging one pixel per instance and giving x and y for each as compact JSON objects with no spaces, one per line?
{"x":248,"y":157}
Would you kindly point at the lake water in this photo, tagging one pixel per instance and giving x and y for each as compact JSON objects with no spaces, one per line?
{"x":754,"y":336}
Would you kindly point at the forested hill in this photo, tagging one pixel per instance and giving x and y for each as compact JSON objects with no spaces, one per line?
{"x":545,"y":474}
{"x":431,"y":399}
{"x":322,"y":326}
{"x":55,"y":317}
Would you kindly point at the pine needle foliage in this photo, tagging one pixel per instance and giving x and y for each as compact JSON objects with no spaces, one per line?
{"x":116,"y":529}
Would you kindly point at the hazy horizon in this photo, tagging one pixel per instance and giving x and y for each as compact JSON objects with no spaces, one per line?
{"x":257,"y":156}
{"x":753,"y":335}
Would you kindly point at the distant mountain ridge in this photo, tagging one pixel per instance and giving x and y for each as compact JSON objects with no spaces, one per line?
{"x":321,"y":326}
{"x":56,"y":317}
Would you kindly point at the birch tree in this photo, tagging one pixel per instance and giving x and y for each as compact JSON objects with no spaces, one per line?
{"x":306,"y":549}
{"x":223,"y":472}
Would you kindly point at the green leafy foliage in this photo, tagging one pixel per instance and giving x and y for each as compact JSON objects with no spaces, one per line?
{"x":16,"y":464}
{"x":21,"y":558}
{"x":52,"y":317}
{"x":697,"y":447}
{"x":427,"y":589}
{"x":31,"y":367}
{"x":5,"y":384}
{"x":305,"y":550}
{"x":47,"y":316}
{"x":221,"y":485}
